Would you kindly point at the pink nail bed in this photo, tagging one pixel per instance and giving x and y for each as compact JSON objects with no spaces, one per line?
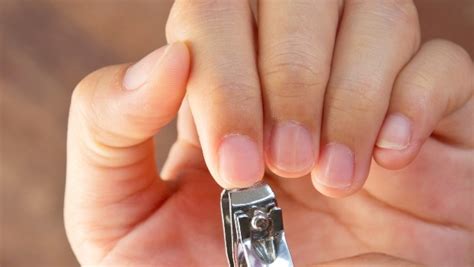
{"x":336,"y":166}
{"x":395,"y":133}
{"x":239,"y":160}
{"x":291,"y":148}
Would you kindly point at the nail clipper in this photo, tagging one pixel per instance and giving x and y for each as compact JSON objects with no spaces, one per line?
{"x":253,"y":228}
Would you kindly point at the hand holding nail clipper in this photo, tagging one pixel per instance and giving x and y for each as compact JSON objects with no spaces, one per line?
{"x":333,"y":98}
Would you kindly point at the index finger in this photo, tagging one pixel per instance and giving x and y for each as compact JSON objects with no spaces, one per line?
{"x":223,"y":88}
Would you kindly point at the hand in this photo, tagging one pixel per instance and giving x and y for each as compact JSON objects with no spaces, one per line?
{"x":118,"y":211}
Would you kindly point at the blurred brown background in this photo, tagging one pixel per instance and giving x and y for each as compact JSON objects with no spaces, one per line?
{"x":46,"y":47}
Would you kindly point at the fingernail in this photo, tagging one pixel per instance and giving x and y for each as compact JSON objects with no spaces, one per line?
{"x":239,"y":160}
{"x":139,"y":73}
{"x":395,"y":133}
{"x":336,"y":166}
{"x":291,"y":148}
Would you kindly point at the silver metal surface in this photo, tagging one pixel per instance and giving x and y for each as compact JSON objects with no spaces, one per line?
{"x":253,"y":228}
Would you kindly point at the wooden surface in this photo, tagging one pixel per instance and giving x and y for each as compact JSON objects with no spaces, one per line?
{"x":46,"y":48}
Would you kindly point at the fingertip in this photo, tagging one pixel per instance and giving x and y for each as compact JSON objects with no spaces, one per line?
{"x":173,"y":67}
{"x":240,"y":162}
{"x":171,"y":60}
{"x":336,"y":174}
{"x":395,"y":148}
{"x":156,"y":86}
{"x":394,"y":159}
{"x":290,"y":151}
{"x":336,"y":166}
{"x":396,"y":132}
{"x":331,"y":191}
{"x":140,"y":72}
{"x":180,"y":54}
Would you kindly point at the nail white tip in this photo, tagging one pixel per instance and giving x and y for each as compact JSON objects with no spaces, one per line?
{"x":391,"y":145}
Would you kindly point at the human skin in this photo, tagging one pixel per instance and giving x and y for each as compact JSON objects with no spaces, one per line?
{"x":357,"y":109}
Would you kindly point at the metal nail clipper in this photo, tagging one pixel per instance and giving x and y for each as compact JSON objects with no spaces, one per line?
{"x":253,"y":228}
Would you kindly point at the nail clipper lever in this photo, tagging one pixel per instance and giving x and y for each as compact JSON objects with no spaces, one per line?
{"x":253,"y":228}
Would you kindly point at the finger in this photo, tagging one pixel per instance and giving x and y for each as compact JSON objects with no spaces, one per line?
{"x":223,"y":89}
{"x":296,"y":40}
{"x":426,"y":100}
{"x":375,"y":40}
{"x":111,"y":177}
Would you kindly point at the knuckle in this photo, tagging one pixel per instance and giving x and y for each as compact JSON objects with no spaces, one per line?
{"x":356,"y":97}
{"x":293,"y":68}
{"x":440,"y":58}
{"x":421,"y":85}
{"x":400,"y":16}
{"x":288,"y":79}
{"x":403,"y":16}
{"x":450,"y":51}
{"x":402,"y":10}
{"x":187,"y":16}
{"x":233,"y":92}
{"x":456,"y":56}
{"x":394,"y":11}
{"x":202,"y":5}
{"x":417,"y":80}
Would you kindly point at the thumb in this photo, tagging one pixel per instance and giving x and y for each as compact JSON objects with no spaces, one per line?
{"x":111,"y":176}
